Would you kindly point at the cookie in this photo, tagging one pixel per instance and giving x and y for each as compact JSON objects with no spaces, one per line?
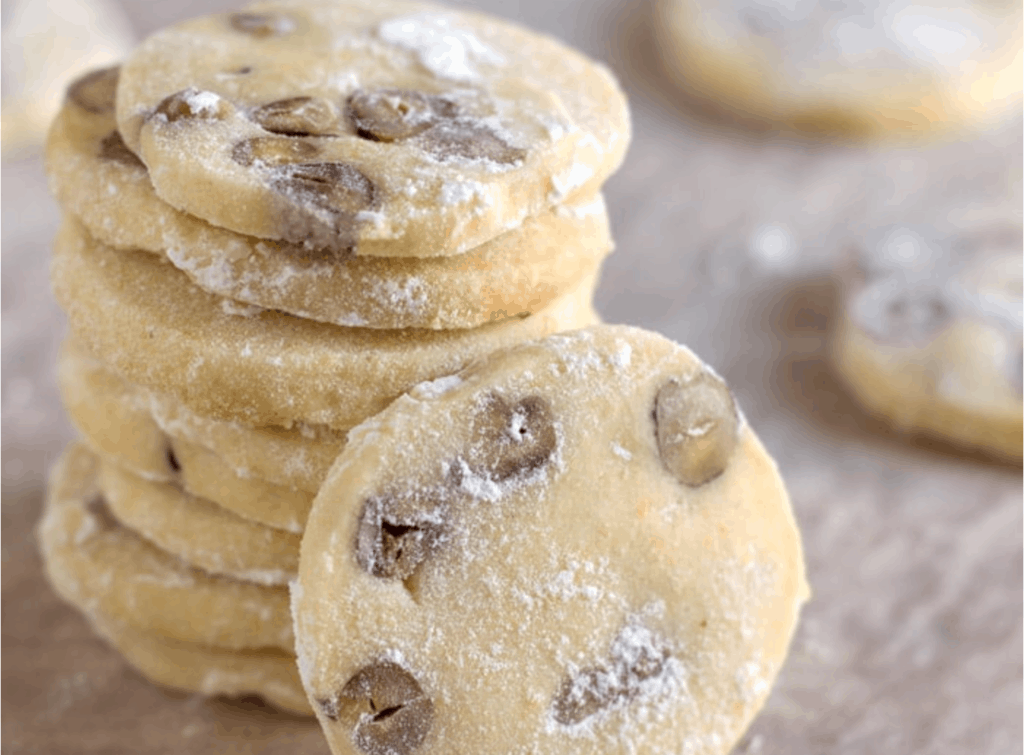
{"x":104,"y":567}
{"x":575,"y":545}
{"x":200,"y":533}
{"x":117,"y":422}
{"x":862,"y":68}
{"x":160,"y":332}
{"x":97,"y":179}
{"x":930,"y":333}
{"x":297,"y":456}
{"x":381,"y":128}
{"x":208,"y":670}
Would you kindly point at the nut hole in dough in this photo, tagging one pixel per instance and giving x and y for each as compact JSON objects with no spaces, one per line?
{"x":397,"y":534}
{"x":388,"y":115}
{"x":97,"y":508}
{"x":172,"y":461}
{"x":297,"y":116}
{"x":512,"y":439}
{"x":193,"y":104}
{"x":96,"y":90}
{"x":386,"y":708}
{"x":468,"y":140}
{"x":114,"y":149}
{"x":696,"y":426}
{"x":273,"y":151}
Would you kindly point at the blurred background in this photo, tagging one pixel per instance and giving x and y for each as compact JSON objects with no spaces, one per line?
{"x":731,"y":231}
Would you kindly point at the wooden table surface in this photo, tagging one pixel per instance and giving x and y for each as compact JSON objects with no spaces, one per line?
{"x":725,"y":241}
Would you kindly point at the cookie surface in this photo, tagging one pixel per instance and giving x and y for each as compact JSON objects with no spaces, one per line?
{"x":98,"y":180}
{"x":587,"y":552}
{"x":862,"y":68}
{"x":385,"y":128}
{"x":161,"y":333}
{"x":200,"y":533}
{"x":930,"y":336}
{"x":118,"y":423}
{"x":104,"y":567}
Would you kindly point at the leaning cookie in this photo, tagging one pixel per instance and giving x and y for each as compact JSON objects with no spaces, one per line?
{"x":589,"y":552}
{"x":106,"y":187}
{"x":118,"y":423}
{"x":104,"y":567}
{"x":929,"y":336}
{"x":199,"y":532}
{"x":866,"y":69}
{"x":383,"y":127}
{"x":148,"y":322}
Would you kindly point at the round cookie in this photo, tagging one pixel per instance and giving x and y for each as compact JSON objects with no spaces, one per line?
{"x":588,"y":551}
{"x":117,"y":422}
{"x":382,"y":127}
{"x":200,"y":533}
{"x":160,"y":332}
{"x":930,"y":333}
{"x":106,"y":568}
{"x":98,"y":180}
{"x":297,"y":456}
{"x":208,"y":670}
{"x":860,"y":68}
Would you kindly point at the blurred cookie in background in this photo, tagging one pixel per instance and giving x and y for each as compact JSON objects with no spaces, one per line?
{"x":858,"y":68}
{"x":46,"y":45}
{"x":928,"y":336}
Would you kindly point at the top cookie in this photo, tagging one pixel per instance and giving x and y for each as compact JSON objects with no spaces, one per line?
{"x":383,"y":127}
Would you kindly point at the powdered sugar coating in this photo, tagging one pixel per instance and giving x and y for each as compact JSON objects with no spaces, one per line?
{"x":587,"y":603}
{"x":527,"y":124}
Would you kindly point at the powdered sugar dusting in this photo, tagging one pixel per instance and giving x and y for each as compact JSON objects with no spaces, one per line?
{"x":442,"y":47}
{"x":432,"y":389}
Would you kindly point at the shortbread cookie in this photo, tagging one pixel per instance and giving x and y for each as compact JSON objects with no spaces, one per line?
{"x":382,"y":127}
{"x":97,"y":179}
{"x":207,"y":670}
{"x":297,"y":457}
{"x":572,"y":546}
{"x":107,"y":568}
{"x":117,"y":422}
{"x":201,"y":533}
{"x":160,"y":332}
{"x":866,"y":68}
{"x":930,"y":333}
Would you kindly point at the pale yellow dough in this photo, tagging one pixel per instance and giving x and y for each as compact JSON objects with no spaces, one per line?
{"x":208,"y":670}
{"x":200,"y":533}
{"x":931,"y":340}
{"x":571,"y":594}
{"x":101,"y":183}
{"x":874,"y":69}
{"x":118,"y":422}
{"x":105,"y":568}
{"x":519,"y":123}
{"x":160,"y":332}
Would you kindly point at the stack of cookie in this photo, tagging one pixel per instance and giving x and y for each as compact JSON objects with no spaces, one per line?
{"x":278,"y":221}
